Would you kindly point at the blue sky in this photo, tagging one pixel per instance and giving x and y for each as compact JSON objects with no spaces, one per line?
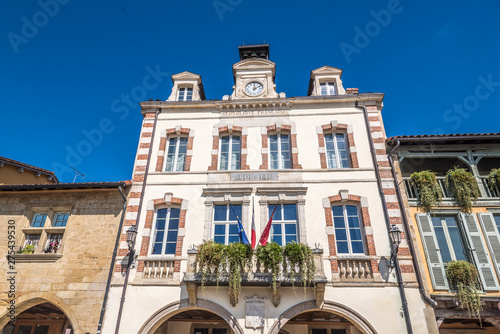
{"x":71,"y":67}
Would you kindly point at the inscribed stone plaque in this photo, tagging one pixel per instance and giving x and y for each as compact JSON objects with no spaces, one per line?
{"x":254,"y":176}
{"x":254,"y":315}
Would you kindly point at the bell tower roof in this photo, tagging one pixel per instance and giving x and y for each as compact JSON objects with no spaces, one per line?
{"x":254,"y":51}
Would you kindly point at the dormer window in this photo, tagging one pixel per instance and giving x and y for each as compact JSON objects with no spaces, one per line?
{"x":185,"y":94}
{"x":328,"y":88}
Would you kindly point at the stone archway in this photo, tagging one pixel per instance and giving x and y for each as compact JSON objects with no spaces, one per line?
{"x":162,"y":315}
{"x":27,"y":301}
{"x":352,"y":316}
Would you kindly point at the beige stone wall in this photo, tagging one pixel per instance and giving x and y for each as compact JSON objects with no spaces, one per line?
{"x":76,"y":281}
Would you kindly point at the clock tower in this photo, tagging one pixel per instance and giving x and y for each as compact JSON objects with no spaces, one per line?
{"x":254,"y":74}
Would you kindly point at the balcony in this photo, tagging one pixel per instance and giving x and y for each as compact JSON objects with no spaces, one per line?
{"x":486,"y":191}
{"x":256,"y":274}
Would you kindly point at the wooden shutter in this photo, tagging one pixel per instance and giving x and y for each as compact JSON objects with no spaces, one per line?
{"x":490,"y":230}
{"x":480,"y":253}
{"x":432,"y":252}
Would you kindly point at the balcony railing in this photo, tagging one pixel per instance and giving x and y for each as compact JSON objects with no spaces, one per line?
{"x":486,"y":191}
{"x":158,"y":269}
{"x":256,"y":274}
{"x":355,"y":269}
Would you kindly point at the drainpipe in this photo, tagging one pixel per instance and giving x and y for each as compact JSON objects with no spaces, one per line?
{"x":113,"y":259}
{"x":132,"y":251}
{"x":388,"y":222}
{"x":426,"y":299}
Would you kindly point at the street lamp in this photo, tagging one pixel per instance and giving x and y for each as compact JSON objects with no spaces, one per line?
{"x":395,"y":236}
{"x":131,"y":235}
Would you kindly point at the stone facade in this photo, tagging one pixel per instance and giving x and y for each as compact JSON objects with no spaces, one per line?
{"x":74,"y":277}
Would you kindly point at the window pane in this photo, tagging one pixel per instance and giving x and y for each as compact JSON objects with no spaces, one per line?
{"x":220,"y":229}
{"x":219,"y":331}
{"x":289,"y":239}
{"x":172,"y":236}
{"x":277,"y":213}
{"x":39,"y":220}
{"x":497,"y":221}
{"x":276,"y":239}
{"x":160,"y":224}
{"x":441,"y":239}
{"x":60,"y":219}
{"x":290,"y":211}
{"x":220,"y":239}
{"x":275,"y":229}
{"x":159,"y":236}
{"x":337,"y":211}
{"x":170,"y":248}
{"x":456,"y":241}
{"x":157,"y":248}
{"x":290,"y":228}
{"x":224,"y":161}
{"x":233,"y":238}
{"x":220,"y":213}
{"x":340,"y":234}
{"x":237,"y":209}
{"x":162,"y":213}
{"x":355,"y":233}
{"x":342,"y":247}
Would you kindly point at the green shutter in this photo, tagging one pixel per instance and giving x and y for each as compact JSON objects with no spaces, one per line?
{"x":432,"y":252}
{"x":480,"y":253}
{"x":492,"y":237}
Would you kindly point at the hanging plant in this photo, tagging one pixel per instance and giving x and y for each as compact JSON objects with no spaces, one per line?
{"x":210,"y":260}
{"x":494,"y":178}
{"x":237,"y":256}
{"x":464,"y":187}
{"x":464,"y":276}
{"x":428,"y":188}
{"x":271,"y":256}
{"x":301,"y":256}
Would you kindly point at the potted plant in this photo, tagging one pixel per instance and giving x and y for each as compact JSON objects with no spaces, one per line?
{"x":494,"y":179}
{"x":464,"y":187}
{"x":464,"y":276}
{"x":28,"y":249}
{"x":271,"y":256}
{"x":428,"y":188}
{"x":237,"y":256}
{"x":210,"y":260}
{"x":301,"y":256}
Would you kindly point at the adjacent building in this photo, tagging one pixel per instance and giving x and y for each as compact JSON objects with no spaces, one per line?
{"x":319,"y":159}
{"x":447,"y":232}
{"x":57,"y":242}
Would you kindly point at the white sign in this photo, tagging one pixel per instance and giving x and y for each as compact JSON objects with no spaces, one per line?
{"x":254,"y":176}
{"x":254,"y":312}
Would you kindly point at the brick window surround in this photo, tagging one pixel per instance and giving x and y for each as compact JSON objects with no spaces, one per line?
{"x":178,"y":131}
{"x":334,"y":127}
{"x":279,"y":129}
{"x":362,"y":203}
{"x":229,"y":130}
{"x":167,"y":201}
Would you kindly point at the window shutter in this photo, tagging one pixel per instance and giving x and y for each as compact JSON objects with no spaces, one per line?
{"x":432,"y":252}
{"x":480,"y":253}
{"x":492,"y":236}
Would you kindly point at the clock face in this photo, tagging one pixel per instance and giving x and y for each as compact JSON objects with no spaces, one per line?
{"x":254,"y":88}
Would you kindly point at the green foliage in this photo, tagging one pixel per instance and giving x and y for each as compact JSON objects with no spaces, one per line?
{"x":464,"y":275}
{"x":464,"y":187}
{"x":271,"y":255}
{"x":210,"y":259}
{"x":237,"y":256}
{"x":298,"y":254}
{"x":28,"y":249}
{"x":494,"y":178}
{"x":428,"y":188}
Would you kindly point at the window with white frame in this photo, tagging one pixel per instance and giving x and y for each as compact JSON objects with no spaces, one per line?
{"x":279,"y":151}
{"x":176,"y":154}
{"x":449,"y":238}
{"x":45,"y":233}
{"x":327,"y":88}
{"x":284,"y":228}
{"x":226,"y":224}
{"x":348,"y":232}
{"x":336,"y":150}
{"x":166,"y":231}
{"x":230,"y":153}
{"x":185,"y":94}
